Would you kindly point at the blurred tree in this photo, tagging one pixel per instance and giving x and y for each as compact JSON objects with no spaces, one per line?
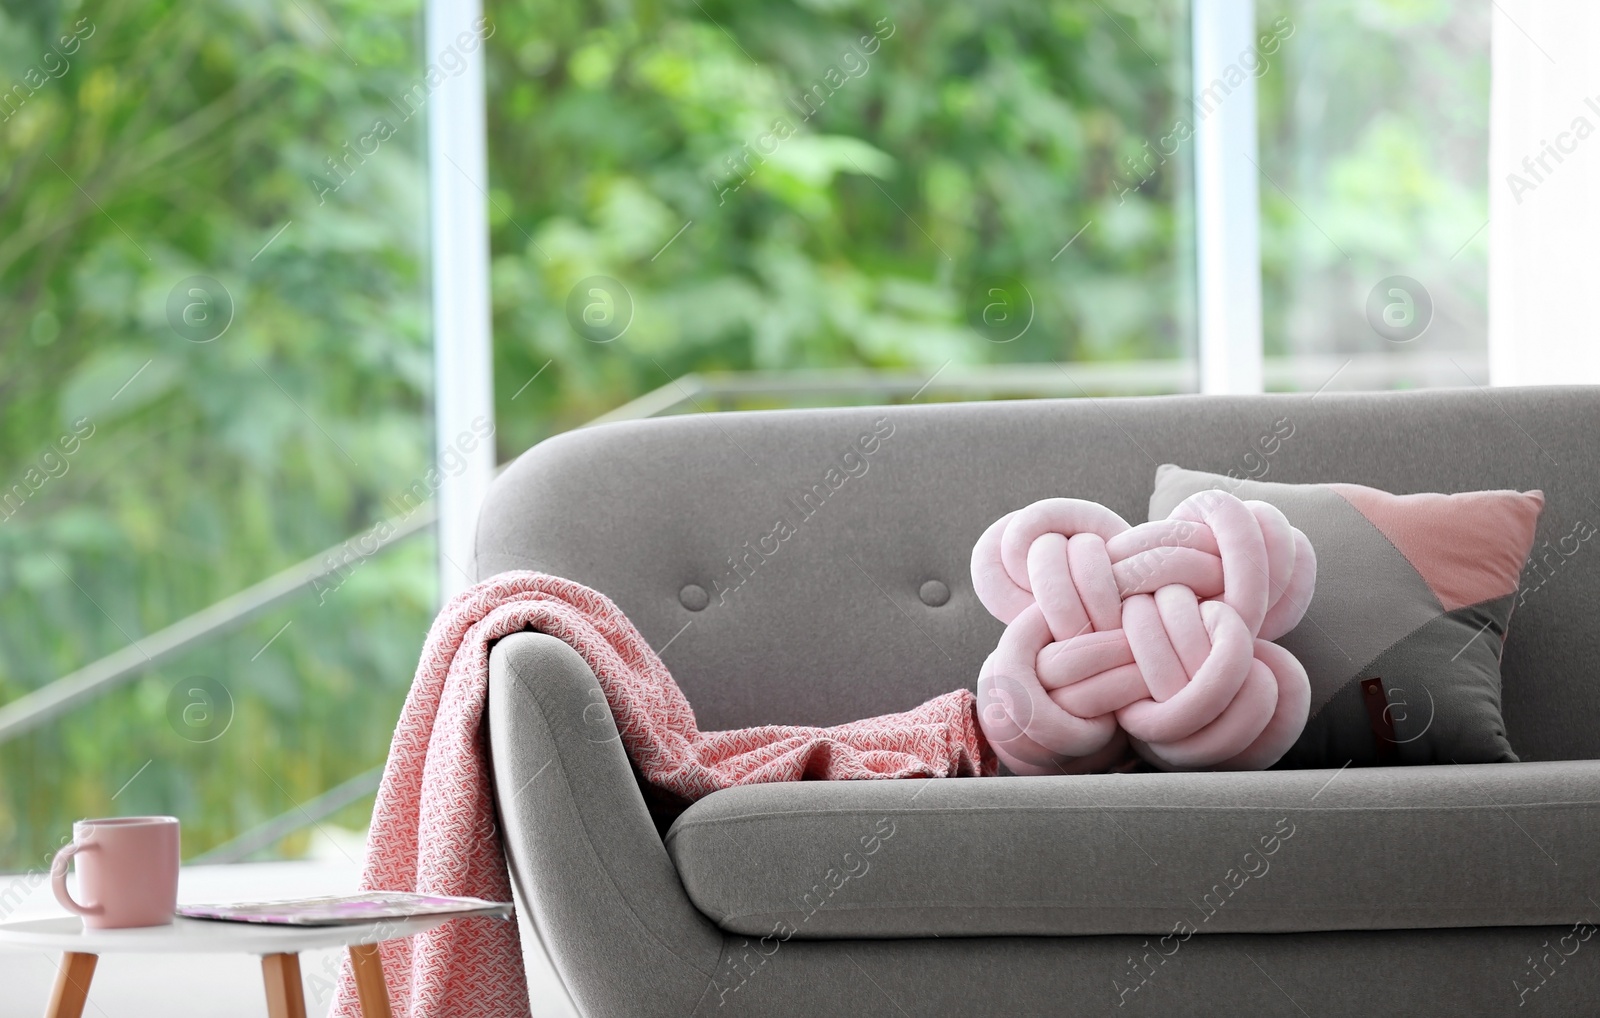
{"x":812,"y":184}
{"x":143,"y":144}
{"x":1375,"y":124}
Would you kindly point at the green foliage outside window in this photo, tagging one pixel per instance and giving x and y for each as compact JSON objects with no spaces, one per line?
{"x":856,"y":184}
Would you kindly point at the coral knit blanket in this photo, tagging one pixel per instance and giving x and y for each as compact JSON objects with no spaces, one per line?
{"x":435,"y":804}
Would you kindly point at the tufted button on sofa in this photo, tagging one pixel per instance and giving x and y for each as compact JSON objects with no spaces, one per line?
{"x":934,"y":594}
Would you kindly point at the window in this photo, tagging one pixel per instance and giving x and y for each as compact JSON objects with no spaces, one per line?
{"x":215,"y":267}
{"x":217,"y":363}
{"x":1374,"y":202}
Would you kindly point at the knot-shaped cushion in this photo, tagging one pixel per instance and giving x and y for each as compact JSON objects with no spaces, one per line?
{"x":1159,"y":631}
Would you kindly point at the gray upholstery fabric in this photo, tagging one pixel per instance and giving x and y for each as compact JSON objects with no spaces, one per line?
{"x":831,"y":628}
{"x":592,"y":882}
{"x":1252,"y":852}
{"x":829,"y":625}
{"x":1434,"y":973}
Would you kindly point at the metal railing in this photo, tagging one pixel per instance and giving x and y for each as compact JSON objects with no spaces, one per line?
{"x":264,"y":836}
{"x":120,"y":667}
{"x":693,"y":392}
{"x":712,"y":390}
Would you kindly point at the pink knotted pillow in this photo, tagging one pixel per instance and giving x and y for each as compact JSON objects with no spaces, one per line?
{"x":1156,"y":634}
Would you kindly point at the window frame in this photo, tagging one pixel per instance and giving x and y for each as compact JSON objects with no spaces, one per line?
{"x":463,"y":353}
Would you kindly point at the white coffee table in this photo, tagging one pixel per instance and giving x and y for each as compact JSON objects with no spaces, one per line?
{"x":278,"y":946}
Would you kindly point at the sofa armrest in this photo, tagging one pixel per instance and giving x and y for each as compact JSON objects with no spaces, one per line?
{"x":591,"y":877}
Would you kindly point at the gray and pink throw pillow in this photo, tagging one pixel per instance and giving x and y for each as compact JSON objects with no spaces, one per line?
{"x":1402,"y":638}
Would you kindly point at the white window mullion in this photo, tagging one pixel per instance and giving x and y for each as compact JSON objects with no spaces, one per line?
{"x":1227,"y":198}
{"x":458,"y":182}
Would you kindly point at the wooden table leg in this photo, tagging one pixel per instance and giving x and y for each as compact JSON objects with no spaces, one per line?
{"x":372,"y":991}
{"x":72,"y":985}
{"x":285,"y":997}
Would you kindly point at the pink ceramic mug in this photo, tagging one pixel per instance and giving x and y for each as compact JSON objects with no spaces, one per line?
{"x":127,"y":871}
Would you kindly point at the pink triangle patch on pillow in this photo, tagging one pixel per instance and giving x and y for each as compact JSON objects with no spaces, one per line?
{"x":1445,"y":537}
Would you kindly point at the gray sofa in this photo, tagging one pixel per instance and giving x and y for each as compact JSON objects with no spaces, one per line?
{"x":1421,"y":890}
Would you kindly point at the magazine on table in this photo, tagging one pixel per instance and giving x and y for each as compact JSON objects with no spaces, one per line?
{"x":347,"y":909}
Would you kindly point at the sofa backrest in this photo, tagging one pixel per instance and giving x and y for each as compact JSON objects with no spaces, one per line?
{"x":811,"y":566}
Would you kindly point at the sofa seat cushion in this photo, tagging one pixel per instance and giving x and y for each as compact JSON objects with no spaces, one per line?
{"x":1172,"y":854}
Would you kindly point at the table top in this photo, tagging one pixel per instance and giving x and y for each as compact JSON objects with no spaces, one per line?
{"x":206,"y":936}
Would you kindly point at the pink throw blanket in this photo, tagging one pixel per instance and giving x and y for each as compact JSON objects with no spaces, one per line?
{"x":1158,"y":635}
{"x":435,"y":803}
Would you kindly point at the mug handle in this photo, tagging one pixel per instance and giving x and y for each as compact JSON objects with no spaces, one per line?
{"x":58,"y":880}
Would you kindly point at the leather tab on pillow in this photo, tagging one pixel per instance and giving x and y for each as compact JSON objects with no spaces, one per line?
{"x":1377,"y":702}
